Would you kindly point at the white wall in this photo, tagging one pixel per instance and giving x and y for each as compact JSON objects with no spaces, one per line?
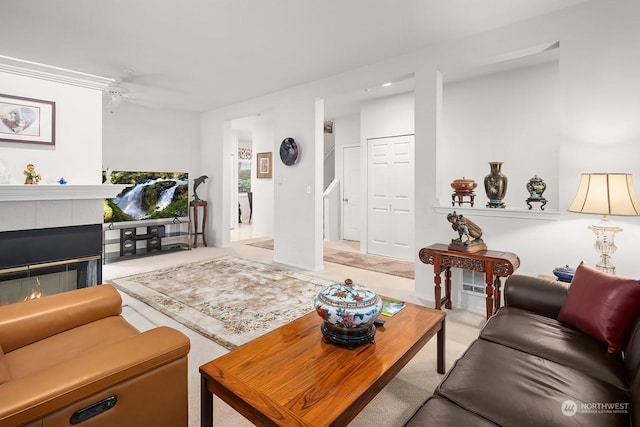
{"x":298,"y":188}
{"x":599,"y":131}
{"x":138,"y":138}
{"x":263,"y":188}
{"x":597,"y":94}
{"x":77,"y":154}
{"x":512,"y":117}
{"x":389,"y":116}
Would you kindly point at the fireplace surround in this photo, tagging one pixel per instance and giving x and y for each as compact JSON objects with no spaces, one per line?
{"x":49,"y":260}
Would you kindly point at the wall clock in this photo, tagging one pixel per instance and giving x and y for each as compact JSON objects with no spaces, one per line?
{"x":289,"y":151}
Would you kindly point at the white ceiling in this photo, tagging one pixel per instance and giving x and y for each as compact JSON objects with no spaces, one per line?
{"x":198,"y":55}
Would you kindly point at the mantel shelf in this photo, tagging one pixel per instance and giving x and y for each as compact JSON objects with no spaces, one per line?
{"x":22,"y":193}
{"x":521,"y":213}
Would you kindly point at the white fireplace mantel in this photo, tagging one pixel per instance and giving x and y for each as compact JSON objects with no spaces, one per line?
{"x":22,"y":193}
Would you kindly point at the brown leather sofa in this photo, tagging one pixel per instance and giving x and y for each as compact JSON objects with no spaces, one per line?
{"x":528,"y":369}
{"x":71,"y":359}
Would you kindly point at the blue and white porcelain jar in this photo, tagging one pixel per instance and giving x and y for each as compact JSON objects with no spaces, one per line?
{"x":348,"y":311}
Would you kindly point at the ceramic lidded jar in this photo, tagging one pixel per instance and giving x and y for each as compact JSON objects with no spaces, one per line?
{"x":536,"y":187}
{"x":463,"y":185}
{"x":564,"y":274}
{"x":348,"y":311}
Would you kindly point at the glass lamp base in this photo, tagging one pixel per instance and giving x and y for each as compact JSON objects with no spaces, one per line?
{"x":605,"y":246}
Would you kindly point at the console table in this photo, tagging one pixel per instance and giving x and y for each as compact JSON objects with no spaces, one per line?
{"x":494,"y":264}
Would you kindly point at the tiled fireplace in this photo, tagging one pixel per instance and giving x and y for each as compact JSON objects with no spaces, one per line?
{"x":49,"y":260}
{"x":50,"y":238}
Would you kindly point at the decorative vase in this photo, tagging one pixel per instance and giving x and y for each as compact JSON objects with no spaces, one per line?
{"x":536,"y":187}
{"x":495,"y":185}
{"x":348,"y":311}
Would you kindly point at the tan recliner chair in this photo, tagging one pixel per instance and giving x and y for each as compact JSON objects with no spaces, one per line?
{"x":71,"y":359}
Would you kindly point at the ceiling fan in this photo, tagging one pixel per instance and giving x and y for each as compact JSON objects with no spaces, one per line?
{"x":116,"y":92}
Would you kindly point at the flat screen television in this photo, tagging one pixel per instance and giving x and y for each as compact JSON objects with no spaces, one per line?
{"x":149,"y":195}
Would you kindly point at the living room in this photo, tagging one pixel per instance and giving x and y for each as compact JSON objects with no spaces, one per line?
{"x":586,"y":122}
{"x":593,"y":81}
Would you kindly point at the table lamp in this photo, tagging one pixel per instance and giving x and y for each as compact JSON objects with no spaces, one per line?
{"x":606,"y":194}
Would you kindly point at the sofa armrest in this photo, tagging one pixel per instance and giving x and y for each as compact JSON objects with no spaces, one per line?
{"x":540,"y":296}
{"x":24,"y":323}
{"x":33,"y":397}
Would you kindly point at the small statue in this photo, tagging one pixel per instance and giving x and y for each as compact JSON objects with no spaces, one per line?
{"x":196,"y":182}
{"x":32,"y":177}
{"x":468,"y":229}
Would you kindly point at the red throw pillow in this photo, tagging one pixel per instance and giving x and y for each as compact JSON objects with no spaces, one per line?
{"x":601,"y":305}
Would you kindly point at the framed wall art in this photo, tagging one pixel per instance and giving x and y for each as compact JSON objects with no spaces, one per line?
{"x":27,"y":120}
{"x":265,"y":165}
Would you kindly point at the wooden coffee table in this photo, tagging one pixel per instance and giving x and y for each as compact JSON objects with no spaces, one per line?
{"x":290,"y":376}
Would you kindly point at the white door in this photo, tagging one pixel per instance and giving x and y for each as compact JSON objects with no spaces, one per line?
{"x":390,"y":197}
{"x":351,"y":193}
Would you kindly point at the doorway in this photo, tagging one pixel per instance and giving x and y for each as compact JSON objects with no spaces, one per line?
{"x":351,"y":193}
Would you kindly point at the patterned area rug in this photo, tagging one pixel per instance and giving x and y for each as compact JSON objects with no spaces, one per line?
{"x":229,"y":300}
{"x":375,"y":263}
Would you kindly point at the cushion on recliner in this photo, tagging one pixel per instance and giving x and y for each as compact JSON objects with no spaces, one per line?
{"x":510,"y":387}
{"x":5,"y":374}
{"x":66,"y":345}
{"x":601,"y":305}
{"x":551,"y":340}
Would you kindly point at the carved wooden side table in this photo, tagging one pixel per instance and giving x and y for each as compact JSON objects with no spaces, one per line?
{"x":494,"y":264}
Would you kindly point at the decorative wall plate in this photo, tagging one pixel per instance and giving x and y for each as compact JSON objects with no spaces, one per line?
{"x":289,"y":151}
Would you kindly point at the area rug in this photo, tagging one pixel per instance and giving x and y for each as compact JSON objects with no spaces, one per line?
{"x":375,"y":263}
{"x":229,"y":300}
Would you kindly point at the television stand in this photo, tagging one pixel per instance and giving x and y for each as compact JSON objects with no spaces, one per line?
{"x":122,"y":240}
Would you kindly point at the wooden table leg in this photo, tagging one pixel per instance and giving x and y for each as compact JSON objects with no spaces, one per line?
{"x":441,"y":348}
{"x":206,"y":404}
{"x":489,"y":299}
{"x":497,"y":294}
{"x":204,"y":223}
{"x":447,"y":287}
{"x":437,"y":291}
{"x":195,"y":226}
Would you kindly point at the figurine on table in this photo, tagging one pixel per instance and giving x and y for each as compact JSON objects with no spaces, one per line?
{"x":32,"y":177}
{"x":466,"y":229}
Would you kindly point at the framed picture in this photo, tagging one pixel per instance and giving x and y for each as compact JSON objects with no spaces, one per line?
{"x":265,"y":165}
{"x":27,"y":120}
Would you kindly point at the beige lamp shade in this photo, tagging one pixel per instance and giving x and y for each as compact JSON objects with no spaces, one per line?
{"x":606,"y":194}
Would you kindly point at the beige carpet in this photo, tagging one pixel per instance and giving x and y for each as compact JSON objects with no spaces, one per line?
{"x":355,"y":259}
{"x":184,"y":294}
{"x":229,"y":300}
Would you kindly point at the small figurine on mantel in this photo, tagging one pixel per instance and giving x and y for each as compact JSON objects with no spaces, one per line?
{"x":31,"y":176}
{"x":468,"y":230}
